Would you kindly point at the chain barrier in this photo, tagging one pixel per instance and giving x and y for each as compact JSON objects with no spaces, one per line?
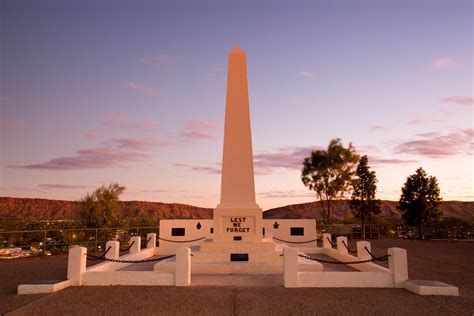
{"x":296,"y":242}
{"x":347,"y":247}
{"x":101,"y":256}
{"x":128,"y":248}
{"x":383,"y":258}
{"x":181,"y":241}
{"x":330,"y":242}
{"x":148,"y":240}
{"x":368,"y":251}
{"x":93,"y":257}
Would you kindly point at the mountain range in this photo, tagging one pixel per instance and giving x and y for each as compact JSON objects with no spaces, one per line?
{"x":40,"y":209}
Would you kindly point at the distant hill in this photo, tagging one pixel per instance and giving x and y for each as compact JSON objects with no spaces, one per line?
{"x":340,"y":210}
{"x":34,"y":209}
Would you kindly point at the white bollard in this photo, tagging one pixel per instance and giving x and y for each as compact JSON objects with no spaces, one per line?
{"x":326,"y":239}
{"x":151,"y":238}
{"x":76,"y":264}
{"x":290,"y":267}
{"x":340,"y":240}
{"x":183,"y":267}
{"x":137,"y":245}
{"x":362,"y":254}
{"x":398,"y":265}
{"x":114,"y":251}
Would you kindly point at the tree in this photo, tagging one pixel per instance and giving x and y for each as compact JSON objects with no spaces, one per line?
{"x":102,"y":207}
{"x":420,"y":202}
{"x":328,"y":173}
{"x":363,"y":201}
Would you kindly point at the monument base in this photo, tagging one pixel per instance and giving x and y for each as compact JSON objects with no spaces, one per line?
{"x":238,"y":223}
{"x":264,"y":257}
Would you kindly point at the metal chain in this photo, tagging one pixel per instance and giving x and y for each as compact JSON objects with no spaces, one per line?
{"x":102,"y":255}
{"x":297,"y":242}
{"x":334,"y":245}
{"x":182,"y":241}
{"x":129,"y":261}
{"x":128,"y":248}
{"x":383,"y":258}
{"x":347,"y":247}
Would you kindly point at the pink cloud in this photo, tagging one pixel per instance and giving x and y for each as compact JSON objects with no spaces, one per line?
{"x":377,"y":127}
{"x":89,"y":158}
{"x":436,"y":145}
{"x":285,"y":194}
{"x":200,"y":129}
{"x":204,"y":169}
{"x":62,"y":186}
{"x":121,"y":121}
{"x":93,"y":135}
{"x":415,"y":121}
{"x":14,"y":124}
{"x":286,"y":158}
{"x":461,"y":100}
{"x":444,"y":62}
{"x":306,"y":73}
{"x":142,"y":88}
{"x":136,"y":143}
{"x":376,"y":161}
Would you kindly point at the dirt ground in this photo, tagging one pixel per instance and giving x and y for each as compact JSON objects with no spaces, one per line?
{"x":451,"y":262}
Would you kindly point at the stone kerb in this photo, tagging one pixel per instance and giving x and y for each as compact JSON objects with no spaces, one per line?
{"x":183,"y":267}
{"x":341,"y":248}
{"x":151,"y":240}
{"x":137,"y":245}
{"x":114,"y":251}
{"x":326,"y":240}
{"x":76,"y":264}
{"x":398,"y":265}
{"x":362,"y":253}
{"x":290,"y":267}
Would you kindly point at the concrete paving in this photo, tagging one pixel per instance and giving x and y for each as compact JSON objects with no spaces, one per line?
{"x":449,"y":262}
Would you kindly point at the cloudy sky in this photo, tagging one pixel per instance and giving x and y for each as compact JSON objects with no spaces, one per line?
{"x":94,"y":92}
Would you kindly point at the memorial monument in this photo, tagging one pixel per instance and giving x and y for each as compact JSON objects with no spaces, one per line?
{"x":237,"y":217}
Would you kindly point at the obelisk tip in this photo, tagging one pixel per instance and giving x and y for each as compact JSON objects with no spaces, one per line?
{"x":237,"y":50}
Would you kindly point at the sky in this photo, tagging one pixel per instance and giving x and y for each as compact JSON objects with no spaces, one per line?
{"x":95,"y":92}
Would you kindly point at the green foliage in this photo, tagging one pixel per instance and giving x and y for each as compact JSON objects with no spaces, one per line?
{"x":363,"y":202}
{"x":420,"y":202}
{"x":329,"y":172}
{"x":102,"y":207}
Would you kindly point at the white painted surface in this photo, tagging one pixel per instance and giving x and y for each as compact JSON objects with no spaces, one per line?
{"x":112,"y":266}
{"x":424,"y":287}
{"x":327,"y":240}
{"x":76,"y":264}
{"x":191,"y":233}
{"x":281,"y":229}
{"x":362,"y":253}
{"x":42,"y":288}
{"x":183,"y":267}
{"x":114,"y":251}
{"x":290,"y":267}
{"x":137,"y":244}
{"x":345,"y":279}
{"x":398,"y":265}
{"x":103,"y":278}
{"x":340,"y":240}
{"x":151,"y":240}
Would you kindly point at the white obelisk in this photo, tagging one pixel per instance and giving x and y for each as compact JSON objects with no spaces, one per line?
{"x":237,"y":217}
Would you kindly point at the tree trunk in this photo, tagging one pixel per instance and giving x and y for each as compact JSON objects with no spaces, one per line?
{"x":329,"y":211}
{"x":362,"y":215}
{"x":370,"y":224}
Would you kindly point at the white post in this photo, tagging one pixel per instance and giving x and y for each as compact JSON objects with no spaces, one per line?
{"x":398,"y":265}
{"x":137,"y":245}
{"x":76,"y":264}
{"x":114,"y":251}
{"x":183,"y":267}
{"x":362,"y":254}
{"x":340,"y":246}
{"x":326,"y":240}
{"x":290,"y":267}
{"x":151,"y":238}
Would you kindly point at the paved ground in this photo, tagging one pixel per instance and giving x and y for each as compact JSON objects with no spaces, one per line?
{"x":450,"y":262}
